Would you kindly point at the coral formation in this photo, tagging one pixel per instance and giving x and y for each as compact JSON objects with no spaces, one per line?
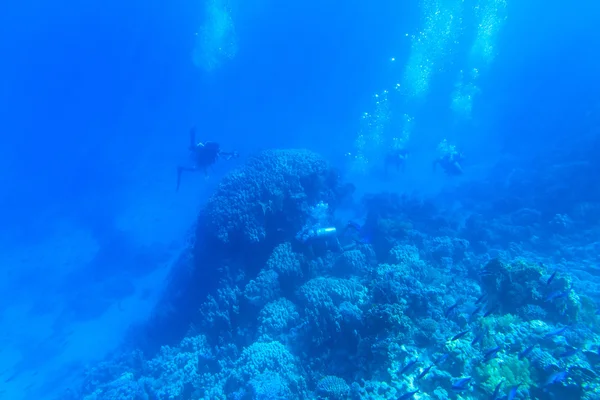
{"x":424,"y":308}
{"x":272,"y":193}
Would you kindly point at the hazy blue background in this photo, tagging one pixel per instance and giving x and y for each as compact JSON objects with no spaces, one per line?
{"x":97,"y":97}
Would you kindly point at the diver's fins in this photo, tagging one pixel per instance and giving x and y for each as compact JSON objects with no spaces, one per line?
{"x":181,"y":170}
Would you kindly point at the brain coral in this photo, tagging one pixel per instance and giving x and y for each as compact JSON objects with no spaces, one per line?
{"x":270,"y":366}
{"x":277,"y":317}
{"x":332,"y":387}
{"x":271,"y":193}
{"x":323,"y":299}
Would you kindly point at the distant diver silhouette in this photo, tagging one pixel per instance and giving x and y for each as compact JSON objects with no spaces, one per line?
{"x":204,"y":155}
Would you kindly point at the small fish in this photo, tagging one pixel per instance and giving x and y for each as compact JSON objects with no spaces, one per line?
{"x":497,"y":390}
{"x":409,"y":365}
{"x":450,"y":309}
{"x":491,"y":311}
{"x":558,"y":294}
{"x":477,"y":310}
{"x":551,"y":278}
{"x":569,"y":353}
{"x":408,"y":395}
{"x":461,"y":384}
{"x":477,"y":339}
{"x":424,"y":372}
{"x":555,"y":332}
{"x":480,"y":298}
{"x":459,"y":335}
{"x":491,"y":353}
{"x":441,"y":359}
{"x":513,"y":392}
{"x":526,"y":352}
{"x":556,"y":377}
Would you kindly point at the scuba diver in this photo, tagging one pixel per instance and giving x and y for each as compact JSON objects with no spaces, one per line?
{"x":397,"y":158}
{"x":319,"y":238}
{"x":357,"y":233}
{"x":449,"y":159}
{"x":204,"y":155}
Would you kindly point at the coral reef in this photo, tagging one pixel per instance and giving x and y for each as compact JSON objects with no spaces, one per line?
{"x":427,"y":307}
{"x":272,"y":193}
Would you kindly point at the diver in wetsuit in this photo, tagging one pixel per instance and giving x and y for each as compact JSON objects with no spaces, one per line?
{"x":449,"y":159}
{"x":204,"y":155}
{"x":396,"y":158}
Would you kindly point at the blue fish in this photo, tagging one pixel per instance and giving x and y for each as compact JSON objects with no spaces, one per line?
{"x":424,"y":372}
{"x":477,"y":339}
{"x":491,"y":310}
{"x":477,"y":310}
{"x":513,"y":392}
{"x":461,"y":384}
{"x":409,"y":366}
{"x":491,"y":353}
{"x":555,"y":332}
{"x":526,"y":352}
{"x":459,"y":335}
{"x":551,"y":278}
{"x":450,"y":309}
{"x":441,"y":359}
{"x":480,"y":298}
{"x":558,"y":294}
{"x":497,"y":390}
{"x":556,"y":377}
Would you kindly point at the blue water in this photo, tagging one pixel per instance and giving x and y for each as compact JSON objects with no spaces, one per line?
{"x":96,"y":102}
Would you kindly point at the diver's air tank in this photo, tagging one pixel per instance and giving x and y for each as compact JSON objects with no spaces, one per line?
{"x":325,"y":232}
